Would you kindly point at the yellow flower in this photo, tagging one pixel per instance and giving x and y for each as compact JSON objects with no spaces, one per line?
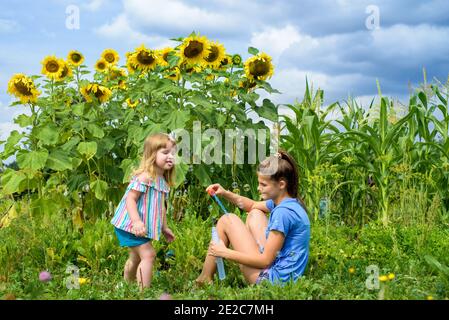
{"x":226,"y":62}
{"x":132,"y":104}
{"x":100,"y":92}
{"x":173,"y":74}
{"x":129,"y":62}
{"x":192,"y":68}
{"x":82,"y":281}
{"x":101,"y":65}
{"x":390,"y":276}
{"x":259,"y":67}
{"x":215,"y":56}
{"x":117,"y":74}
{"x":194,"y":49}
{"x":75,"y":58}
{"x":143,"y":59}
{"x":111,"y":56}
{"x":163,"y":56}
{"x":66,"y":71}
{"x":429,"y":298}
{"x":351,"y":270}
{"x":52,"y":67}
{"x":383,"y":278}
{"x":23,"y":88}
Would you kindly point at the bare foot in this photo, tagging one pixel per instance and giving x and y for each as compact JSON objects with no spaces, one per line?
{"x":202,"y":281}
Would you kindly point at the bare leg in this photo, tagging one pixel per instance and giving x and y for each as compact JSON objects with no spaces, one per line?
{"x":147,"y":256}
{"x":257,"y":222}
{"x":131,"y":265}
{"x":233,"y":231}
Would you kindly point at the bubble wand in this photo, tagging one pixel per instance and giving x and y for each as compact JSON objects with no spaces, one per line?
{"x":216,"y":239}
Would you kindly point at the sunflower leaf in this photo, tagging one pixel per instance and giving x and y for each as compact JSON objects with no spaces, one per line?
{"x":253,"y":51}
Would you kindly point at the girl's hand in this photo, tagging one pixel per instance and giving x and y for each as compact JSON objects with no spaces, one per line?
{"x":217,"y":250}
{"x":138,"y":228}
{"x":217,"y":188}
{"x":168,"y":234}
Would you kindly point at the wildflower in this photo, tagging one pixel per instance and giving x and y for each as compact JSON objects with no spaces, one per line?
{"x":351,"y":270}
{"x":44,"y":276}
{"x":383,"y":278}
{"x":390,"y":276}
{"x":82,"y":281}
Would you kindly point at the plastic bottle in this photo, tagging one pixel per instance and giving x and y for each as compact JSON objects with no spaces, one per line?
{"x":218,"y":260}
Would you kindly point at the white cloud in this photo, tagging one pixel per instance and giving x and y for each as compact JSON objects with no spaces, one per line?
{"x":275,"y":41}
{"x":175,"y":14}
{"x":120,"y":29}
{"x":94,"y":5}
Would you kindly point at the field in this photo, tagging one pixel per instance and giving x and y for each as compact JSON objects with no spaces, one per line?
{"x":374,"y":178}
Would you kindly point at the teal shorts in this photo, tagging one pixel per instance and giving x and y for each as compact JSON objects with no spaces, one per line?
{"x":127,"y":239}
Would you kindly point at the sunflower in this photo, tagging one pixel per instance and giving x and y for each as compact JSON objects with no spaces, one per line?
{"x":215,"y":56}
{"x":101,"y":65}
{"x":129,"y":62}
{"x":226,"y":62}
{"x":163,"y":56}
{"x":236,"y":59}
{"x":66,"y":71}
{"x":100,"y":92}
{"x":195,"y":49}
{"x":52,"y":67}
{"x":132,"y":104}
{"x":259,"y":67}
{"x":23,"y":88}
{"x":144,"y":59}
{"x":117,"y":74}
{"x":173,"y":74}
{"x":195,"y":68}
{"x":75,"y":58}
{"x":111,"y":56}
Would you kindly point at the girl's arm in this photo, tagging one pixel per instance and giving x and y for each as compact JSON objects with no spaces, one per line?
{"x":242,"y":202}
{"x":263,"y":260}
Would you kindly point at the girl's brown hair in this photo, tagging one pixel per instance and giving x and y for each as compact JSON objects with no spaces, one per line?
{"x":282,"y":166}
{"x":151,"y":146}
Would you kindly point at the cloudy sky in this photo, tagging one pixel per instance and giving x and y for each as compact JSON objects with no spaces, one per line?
{"x":341,"y":46}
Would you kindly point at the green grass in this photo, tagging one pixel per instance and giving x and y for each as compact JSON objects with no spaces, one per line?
{"x":32,"y":244}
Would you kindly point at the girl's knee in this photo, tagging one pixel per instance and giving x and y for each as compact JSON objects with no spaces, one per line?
{"x":226,"y":218}
{"x":255,"y":214}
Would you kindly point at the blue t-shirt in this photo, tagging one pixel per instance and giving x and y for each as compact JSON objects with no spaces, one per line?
{"x":290,"y":218}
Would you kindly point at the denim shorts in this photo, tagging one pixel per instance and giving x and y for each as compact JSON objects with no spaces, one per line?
{"x":263,"y":275}
{"x":127,"y":239}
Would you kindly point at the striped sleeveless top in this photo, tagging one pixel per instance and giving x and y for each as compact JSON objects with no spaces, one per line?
{"x":149,"y":206}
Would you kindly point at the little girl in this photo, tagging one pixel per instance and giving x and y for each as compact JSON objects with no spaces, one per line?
{"x":141,"y":214}
{"x":274,"y":249}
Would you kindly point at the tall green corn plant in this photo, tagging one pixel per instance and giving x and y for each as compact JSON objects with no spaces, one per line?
{"x":311,"y":142}
{"x":354,"y":192}
{"x":381,"y":140}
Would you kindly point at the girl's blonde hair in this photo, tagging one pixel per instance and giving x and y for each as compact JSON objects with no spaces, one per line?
{"x":151,"y":146}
